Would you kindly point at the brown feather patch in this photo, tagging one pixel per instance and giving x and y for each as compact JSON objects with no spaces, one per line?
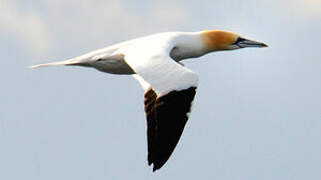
{"x":218,"y":40}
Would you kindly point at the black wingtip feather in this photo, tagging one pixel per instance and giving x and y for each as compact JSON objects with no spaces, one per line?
{"x":166,"y":119}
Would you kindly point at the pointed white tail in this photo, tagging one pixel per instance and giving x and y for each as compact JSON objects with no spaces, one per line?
{"x":59,"y":63}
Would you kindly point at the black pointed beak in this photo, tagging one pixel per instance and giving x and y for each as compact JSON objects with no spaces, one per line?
{"x":249,"y":43}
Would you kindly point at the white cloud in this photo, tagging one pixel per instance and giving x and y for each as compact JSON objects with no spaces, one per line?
{"x":308,"y":8}
{"x":85,"y":24}
{"x":25,"y":26}
{"x":170,"y":15}
{"x":112,"y":18}
{"x":303,"y":9}
{"x":91,"y":24}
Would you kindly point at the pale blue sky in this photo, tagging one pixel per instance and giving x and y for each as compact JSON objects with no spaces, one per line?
{"x":257,"y":113}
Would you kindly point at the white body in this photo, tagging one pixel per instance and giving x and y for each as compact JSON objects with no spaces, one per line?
{"x":184,"y":45}
{"x":152,"y":58}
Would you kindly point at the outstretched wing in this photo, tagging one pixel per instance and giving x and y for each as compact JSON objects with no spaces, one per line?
{"x":166,"y":119}
{"x":167,"y":101}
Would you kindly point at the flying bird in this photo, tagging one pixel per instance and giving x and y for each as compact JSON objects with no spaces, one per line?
{"x":155,"y":61}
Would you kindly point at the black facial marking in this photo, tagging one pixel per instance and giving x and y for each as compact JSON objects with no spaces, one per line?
{"x":238,"y":40}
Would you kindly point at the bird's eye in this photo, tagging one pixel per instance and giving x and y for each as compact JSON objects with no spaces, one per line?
{"x":239,"y":39}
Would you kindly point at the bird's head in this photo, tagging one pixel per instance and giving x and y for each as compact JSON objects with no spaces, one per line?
{"x":217,"y":40}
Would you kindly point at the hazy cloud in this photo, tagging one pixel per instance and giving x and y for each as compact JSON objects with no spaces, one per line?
{"x":113,"y":19}
{"x":308,"y":8}
{"x":25,"y":26}
{"x":304,"y":9}
{"x":91,"y":21}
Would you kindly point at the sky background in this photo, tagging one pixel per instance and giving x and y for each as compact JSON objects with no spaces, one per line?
{"x":257,"y":112}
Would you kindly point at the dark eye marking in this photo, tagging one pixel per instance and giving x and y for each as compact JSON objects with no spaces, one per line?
{"x":239,"y":39}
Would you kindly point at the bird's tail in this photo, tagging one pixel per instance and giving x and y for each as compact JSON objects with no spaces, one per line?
{"x":74,"y":61}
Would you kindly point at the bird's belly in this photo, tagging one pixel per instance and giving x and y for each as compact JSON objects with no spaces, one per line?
{"x":114,"y":67}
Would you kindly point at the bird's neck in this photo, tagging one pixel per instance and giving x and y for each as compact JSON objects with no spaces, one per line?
{"x":189,"y":45}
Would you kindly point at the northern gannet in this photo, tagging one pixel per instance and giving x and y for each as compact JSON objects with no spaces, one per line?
{"x":169,"y":86}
